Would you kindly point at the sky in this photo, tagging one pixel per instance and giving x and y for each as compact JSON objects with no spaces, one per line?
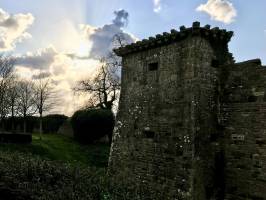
{"x":64,"y":39}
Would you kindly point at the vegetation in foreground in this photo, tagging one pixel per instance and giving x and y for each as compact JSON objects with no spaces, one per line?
{"x":62,"y":148}
{"x":25,"y":177}
{"x":55,"y":167}
{"x":59,"y":168}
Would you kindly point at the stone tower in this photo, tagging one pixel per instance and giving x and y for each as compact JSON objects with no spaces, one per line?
{"x":171,"y":136}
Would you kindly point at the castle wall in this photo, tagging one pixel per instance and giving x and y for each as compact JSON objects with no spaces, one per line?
{"x":244,"y":116}
{"x":161,"y":143}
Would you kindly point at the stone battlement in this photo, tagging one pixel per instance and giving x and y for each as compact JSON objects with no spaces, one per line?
{"x":214,"y":35}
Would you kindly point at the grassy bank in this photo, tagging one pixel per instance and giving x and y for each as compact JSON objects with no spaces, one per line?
{"x":61,"y":148}
{"x":58,"y":168}
{"x":54,"y":168}
{"x":24,"y":177}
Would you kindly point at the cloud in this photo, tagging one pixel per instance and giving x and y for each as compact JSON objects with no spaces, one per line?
{"x":66,"y":66}
{"x":13,"y":29}
{"x":41,"y":75}
{"x":219,"y":10}
{"x":63,"y":71}
{"x":121,"y":18}
{"x":157,"y":6}
{"x":102,"y":37}
{"x":42,"y":59}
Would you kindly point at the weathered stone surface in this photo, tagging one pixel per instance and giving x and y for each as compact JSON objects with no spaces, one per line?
{"x":190,"y":123}
{"x":243,"y":116}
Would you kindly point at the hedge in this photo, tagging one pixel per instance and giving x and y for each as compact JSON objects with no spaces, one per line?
{"x":52,"y":123}
{"x":92,"y":124}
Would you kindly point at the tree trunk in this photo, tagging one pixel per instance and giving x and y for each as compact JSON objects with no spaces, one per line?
{"x":40,"y":131}
{"x":12,"y":120}
{"x":24,"y":125}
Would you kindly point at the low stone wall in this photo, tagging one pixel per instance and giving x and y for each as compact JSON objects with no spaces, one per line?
{"x":8,"y":193}
{"x":19,"y":138}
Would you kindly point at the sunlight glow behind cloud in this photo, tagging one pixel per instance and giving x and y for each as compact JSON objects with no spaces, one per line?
{"x":75,"y":56}
{"x":64,"y":72}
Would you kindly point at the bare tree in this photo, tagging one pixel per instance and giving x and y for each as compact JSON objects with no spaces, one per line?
{"x":26,"y":100}
{"x":6,"y":76}
{"x":43,"y":99}
{"x":12,"y":98}
{"x":119,"y":40}
{"x":103,"y":87}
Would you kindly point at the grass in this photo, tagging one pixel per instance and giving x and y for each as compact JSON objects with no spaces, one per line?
{"x":24,"y":177}
{"x":59,"y":168}
{"x":62,"y":148}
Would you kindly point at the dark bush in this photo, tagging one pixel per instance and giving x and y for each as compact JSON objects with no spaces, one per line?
{"x":92,"y":124}
{"x":52,"y":123}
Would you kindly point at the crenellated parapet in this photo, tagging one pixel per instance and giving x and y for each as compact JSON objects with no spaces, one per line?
{"x":214,"y":35}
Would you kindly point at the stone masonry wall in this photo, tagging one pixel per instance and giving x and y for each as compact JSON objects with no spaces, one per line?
{"x":191,"y":122}
{"x":162,"y":138}
{"x":152,"y":146}
{"x":244,"y":117}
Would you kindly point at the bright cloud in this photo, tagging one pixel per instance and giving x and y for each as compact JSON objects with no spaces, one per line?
{"x":101,"y":38}
{"x":79,"y":60}
{"x":64,"y":71}
{"x":157,"y":6}
{"x":219,"y":10}
{"x":13,"y":29}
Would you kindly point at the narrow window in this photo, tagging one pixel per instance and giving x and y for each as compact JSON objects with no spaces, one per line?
{"x":252,"y":98}
{"x":153,"y":66}
{"x":135,"y":124}
{"x":149,"y":134}
{"x":215,"y":63}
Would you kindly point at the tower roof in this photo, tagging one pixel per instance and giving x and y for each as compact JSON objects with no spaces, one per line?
{"x":214,"y":35}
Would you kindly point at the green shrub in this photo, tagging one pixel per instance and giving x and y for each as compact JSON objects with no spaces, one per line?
{"x":92,"y":124}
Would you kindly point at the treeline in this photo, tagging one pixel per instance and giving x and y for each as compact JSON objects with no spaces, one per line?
{"x":20,"y":98}
{"x":51,"y":123}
